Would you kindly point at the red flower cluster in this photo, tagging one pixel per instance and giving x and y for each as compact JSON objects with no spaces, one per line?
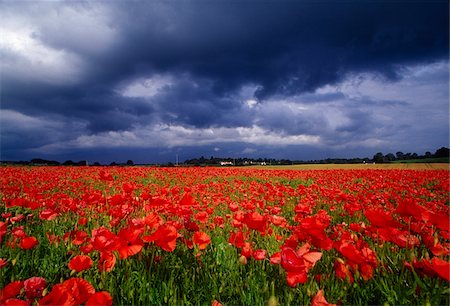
{"x":296,"y":216}
{"x":297,"y":263}
{"x":74,"y":291}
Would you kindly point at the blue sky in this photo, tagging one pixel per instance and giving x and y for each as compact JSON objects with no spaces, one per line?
{"x":111,"y":81}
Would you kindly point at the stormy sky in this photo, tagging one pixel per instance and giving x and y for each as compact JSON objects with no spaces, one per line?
{"x":116,"y":80}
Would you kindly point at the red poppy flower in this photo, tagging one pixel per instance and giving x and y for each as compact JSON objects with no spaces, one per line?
{"x":237,"y":239}
{"x":80,"y":237}
{"x":304,"y":209}
{"x":80,"y":263}
{"x":291,"y":262}
{"x":366,"y":271}
{"x":80,"y":289}
{"x":441,"y":267}
{"x":86,"y":249}
{"x":201,"y":239}
{"x":311,"y":258}
{"x":319,"y":221}
{"x":16,"y":302}
{"x":255,"y":221}
{"x":320,"y":240}
{"x":350,"y":252}
{"x":104,"y":240}
{"x":127,"y":250}
{"x":190,"y":225}
{"x":427,"y":267}
{"x":187,"y":200}
{"x":6,"y":215}
{"x":319,"y":300}
{"x":369,"y":255}
{"x":53,"y":239}
{"x":165,"y":237}
{"x":130,"y":242}
{"x":128,"y":187}
{"x":247,"y":250}
{"x":82,"y":221}
{"x":408,"y":207}
{"x":34,"y":287}
{"x":295,"y":278}
{"x":381,"y":218}
{"x":437,"y":250}
{"x":58,"y":296}
{"x":313,"y":228}
{"x":18,"y":232}
{"x":343,"y":271}
{"x":216,"y":303}
{"x":106,"y":176}
{"x":11,"y":290}
{"x":233,"y":207}
{"x":153,"y":220}
{"x":403,"y":239}
{"x":219,"y":221}
{"x":201,"y":216}
{"x":259,"y":254}
{"x":441,"y":220}
{"x":17,"y":218}
{"x":3,"y":263}
{"x":101,"y":298}
{"x":107,"y":262}
{"x":28,"y":243}
{"x":275,"y":259}
{"x":48,"y":214}
{"x":278,"y":221}
{"x":3,"y":228}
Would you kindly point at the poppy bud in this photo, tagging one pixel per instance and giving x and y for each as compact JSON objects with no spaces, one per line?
{"x":242,"y":260}
{"x":272,"y":301}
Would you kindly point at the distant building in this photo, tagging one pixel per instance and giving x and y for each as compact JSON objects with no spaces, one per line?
{"x":226,"y":163}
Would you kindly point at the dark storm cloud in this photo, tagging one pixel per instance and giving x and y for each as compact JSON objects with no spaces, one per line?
{"x":257,"y":41}
{"x":283,"y":48}
{"x":197,"y":104}
{"x":77,"y":60}
{"x":287,"y":48}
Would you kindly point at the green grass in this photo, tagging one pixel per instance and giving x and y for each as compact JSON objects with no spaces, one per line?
{"x":425,"y":160}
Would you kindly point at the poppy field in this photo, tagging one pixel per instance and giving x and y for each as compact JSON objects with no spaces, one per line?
{"x":223,"y":236}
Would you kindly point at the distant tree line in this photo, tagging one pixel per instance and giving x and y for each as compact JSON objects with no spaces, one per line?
{"x":377,"y":158}
{"x":45,"y":162}
{"x":214,"y":161}
{"x":217,"y":161}
{"x":400,"y":156}
{"x":441,"y":155}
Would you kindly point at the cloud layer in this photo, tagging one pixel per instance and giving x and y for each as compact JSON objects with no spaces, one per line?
{"x":238,"y":78}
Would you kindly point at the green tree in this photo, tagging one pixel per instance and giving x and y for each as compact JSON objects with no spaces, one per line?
{"x":442,"y":152}
{"x":378,"y":158}
{"x":390,"y":157}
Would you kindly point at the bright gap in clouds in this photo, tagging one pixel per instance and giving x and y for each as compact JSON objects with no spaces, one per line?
{"x":36,"y":61}
{"x":251,"y":103}
{"x":179,"y":136}
{"x":148,"y":87}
